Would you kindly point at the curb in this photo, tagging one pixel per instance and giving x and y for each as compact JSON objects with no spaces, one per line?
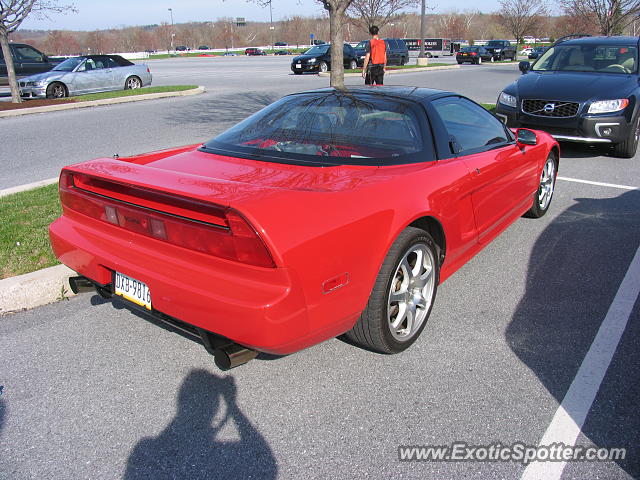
{"x":406,"y":70}
{"x":96,"y":103}
{"x":35,"y":289}
{"x":28,"y":186}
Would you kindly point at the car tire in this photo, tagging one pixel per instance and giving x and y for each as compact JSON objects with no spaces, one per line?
{"x":323,"y":67}
{"x":57,"y":90}
{"x":353,"y":65}
{"x":628,"y":148}
{"x":428,"y":55}
{"x":403,"y":61}
{"x":132,"y":83}
{"x":410,"y":263}
{"x":543,"y":196}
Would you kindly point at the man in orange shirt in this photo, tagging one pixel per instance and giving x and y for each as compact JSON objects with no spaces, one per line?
{"x":376,"y":53}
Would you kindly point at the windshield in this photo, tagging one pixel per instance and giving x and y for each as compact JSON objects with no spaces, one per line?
{"x":317,"y":50}
{"x":69,"y":64}
{"x":333,"y":128}
{"x":621,"y":59}
{"x":494,"y":43}
{"x":362,"y":45}
{"x":469,"y":49}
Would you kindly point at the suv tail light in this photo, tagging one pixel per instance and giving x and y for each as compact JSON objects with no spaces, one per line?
{"x":232,"y":237}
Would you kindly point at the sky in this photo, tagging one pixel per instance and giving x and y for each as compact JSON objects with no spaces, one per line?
{"x":101,"y":14}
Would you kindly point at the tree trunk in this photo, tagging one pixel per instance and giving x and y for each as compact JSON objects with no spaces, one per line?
{"x":11,"y":72}
{"x":336,"y":20}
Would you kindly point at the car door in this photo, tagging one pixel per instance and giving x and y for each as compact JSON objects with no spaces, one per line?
{"x":503,"y":176}
{"x":113,"y":73}
{"x":85,"y":78}
{"x":348,"y":54}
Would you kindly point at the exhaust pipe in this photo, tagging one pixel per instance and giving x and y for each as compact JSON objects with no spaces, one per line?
{"x":81,"y":284}
{"x":232,"y":355}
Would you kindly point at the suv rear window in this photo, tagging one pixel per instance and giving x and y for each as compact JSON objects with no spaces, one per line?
{"x":328,"y":128}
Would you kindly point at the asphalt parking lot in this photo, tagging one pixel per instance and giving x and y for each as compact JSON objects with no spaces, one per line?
{"x":91,"y":389}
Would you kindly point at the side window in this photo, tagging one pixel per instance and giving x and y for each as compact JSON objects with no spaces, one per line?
{"x":469,"y":125}
{"x":109,"y":62}
{"x":29,"y":54}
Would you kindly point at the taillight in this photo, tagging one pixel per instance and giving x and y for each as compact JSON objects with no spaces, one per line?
{"x":473,"y":54}
{"x":235,"y":240}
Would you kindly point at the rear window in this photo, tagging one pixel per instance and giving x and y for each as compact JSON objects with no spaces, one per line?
{"x":122,"y":62}
{"x":330,"y":129}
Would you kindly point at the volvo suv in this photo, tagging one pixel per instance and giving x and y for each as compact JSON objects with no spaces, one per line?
{"x":580,"y":90}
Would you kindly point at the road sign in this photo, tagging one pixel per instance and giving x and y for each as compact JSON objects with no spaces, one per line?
{"x":311,"y":36}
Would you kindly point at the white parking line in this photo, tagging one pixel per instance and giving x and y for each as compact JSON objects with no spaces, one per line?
{"x":570,"y":416}
{"x":600,"y":184}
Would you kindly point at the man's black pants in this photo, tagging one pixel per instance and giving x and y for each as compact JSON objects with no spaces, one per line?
{"x":375,"y":75}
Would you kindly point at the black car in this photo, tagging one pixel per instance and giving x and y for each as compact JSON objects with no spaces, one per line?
{"x":318,"y":59}
{"x":397,"y":51}
{"x":473,"y":54}
{"x":26,"y":61}
{"x":580,"y":90}
{"x":501,"y":49}
{"x":254,"y":52}
{"x":537,"y":52}
{"x":182,"y":48}
{"x":282,"y":52}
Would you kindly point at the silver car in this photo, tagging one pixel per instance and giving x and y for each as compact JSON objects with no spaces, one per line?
{"x":86,"y":74}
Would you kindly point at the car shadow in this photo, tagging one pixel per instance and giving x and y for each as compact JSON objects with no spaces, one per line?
{"x":194,"y":445}
{"x":583,"y":150}
{"x":574,"y":272}
{"x":120,"y":304}
{"x":229,"y":109}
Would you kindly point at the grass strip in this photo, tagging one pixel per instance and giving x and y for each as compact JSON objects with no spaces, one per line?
{"x":129,"y":93}
{"x":24,"y":234}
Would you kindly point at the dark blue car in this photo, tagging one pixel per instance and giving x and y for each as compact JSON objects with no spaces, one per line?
{"x":580,"y":90}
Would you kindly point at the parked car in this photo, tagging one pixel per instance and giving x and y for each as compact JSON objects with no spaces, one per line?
{"x":537,"y":52}
{"x":204,"y":47}
{"x":473,"y":54}
{"x":283,"y":52}
{"x":326,"y":212}
{"x":27,"y":60}
{"x":397,"y":51}
{"x":281,"y":44}
{"x":580,"y":90}
{"x":526,"y":51}
{"x":253,"y":52}
{"x":501,"y":49}
{"x":182,"y":48}
{"x":86,"y":74}
{"x":318,"y":59}
{"x":318,"y":42}
{"x":229,"y":54}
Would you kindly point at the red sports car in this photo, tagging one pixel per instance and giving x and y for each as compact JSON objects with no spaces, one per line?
{"x":326,"y":212}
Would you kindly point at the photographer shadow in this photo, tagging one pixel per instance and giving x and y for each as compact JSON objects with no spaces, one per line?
{"x":191,"y":446}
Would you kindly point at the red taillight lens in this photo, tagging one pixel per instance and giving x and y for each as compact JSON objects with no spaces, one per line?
{"x":473,"y":54}
{"x":237,"y":240}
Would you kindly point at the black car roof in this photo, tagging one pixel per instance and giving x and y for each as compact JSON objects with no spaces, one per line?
{"x":615,"y":40}
{"x":409,"y":93}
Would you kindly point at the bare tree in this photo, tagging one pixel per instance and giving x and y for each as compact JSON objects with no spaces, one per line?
{"x":520,"y":17}
{"x":12,"y":14}
{"x":610,"y":17}
{"x":337,"y":14}
{"x":365,"y":13}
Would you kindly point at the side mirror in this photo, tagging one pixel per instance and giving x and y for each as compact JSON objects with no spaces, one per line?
{"x":525,"y":136}
{"x":524,"y":66}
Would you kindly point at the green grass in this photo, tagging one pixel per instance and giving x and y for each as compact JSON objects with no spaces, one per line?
{"x":489,"y":106}
{"x":24,"y":236}
{"x":129,"y":93}
{"x":403,"y":67}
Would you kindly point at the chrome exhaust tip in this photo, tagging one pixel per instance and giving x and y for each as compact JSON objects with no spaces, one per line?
{"x":233,"y":355}
{"x":81,"y":284}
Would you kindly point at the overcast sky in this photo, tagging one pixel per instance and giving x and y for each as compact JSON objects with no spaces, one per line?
{"x":101,"y":14}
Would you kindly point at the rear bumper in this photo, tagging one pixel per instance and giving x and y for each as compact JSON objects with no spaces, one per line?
{"x":260,"y":308}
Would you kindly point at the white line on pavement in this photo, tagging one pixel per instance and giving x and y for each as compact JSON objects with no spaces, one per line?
{"x":600,"y":184}
{"x":570,"y":416}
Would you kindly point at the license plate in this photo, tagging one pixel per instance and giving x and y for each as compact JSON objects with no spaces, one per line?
{"x":133,"y":290}
{"x":298,"y":65}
